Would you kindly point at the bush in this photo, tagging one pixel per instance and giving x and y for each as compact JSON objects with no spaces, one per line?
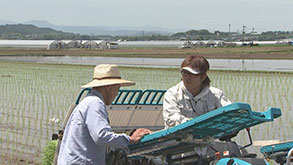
{"x":49,"y":152}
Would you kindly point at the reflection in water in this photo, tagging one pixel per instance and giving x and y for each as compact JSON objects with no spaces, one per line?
{"x":234,"y":64}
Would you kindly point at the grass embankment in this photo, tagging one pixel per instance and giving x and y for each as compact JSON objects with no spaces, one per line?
{"x":240,"y":52}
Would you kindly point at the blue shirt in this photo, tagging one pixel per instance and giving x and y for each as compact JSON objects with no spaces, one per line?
{"x":88,"y":133}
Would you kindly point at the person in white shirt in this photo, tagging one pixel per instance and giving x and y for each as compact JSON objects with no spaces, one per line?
{"x":193,"y":96}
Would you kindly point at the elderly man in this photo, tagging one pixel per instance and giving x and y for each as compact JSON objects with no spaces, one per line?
{"x":193,"y":96}
{"x":88,"y":132}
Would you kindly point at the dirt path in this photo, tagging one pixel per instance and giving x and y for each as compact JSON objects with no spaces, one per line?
{"x":259,"y":52}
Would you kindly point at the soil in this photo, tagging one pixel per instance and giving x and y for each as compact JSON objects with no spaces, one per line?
{"x":16,"y":158}
{"x":259,"y":52}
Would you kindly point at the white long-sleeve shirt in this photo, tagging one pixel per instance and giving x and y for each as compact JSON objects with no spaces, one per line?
{"x":88,"y":133}
{"x":179,"y":104}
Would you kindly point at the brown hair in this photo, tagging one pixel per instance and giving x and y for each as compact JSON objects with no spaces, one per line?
{"x":198,"y":62}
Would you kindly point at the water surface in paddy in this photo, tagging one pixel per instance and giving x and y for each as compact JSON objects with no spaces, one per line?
{"x":234,"y":64}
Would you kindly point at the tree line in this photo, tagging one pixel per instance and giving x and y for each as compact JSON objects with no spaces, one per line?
{"x":32,"y":32}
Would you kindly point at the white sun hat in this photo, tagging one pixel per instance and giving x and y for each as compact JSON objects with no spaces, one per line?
{"x":191,"y":70}
{"x":107,"y":74}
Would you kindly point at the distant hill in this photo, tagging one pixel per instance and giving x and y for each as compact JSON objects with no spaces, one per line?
{"x":43,"y":30}
{"x":22,"y":31}
{"x":4,"y":22}
{"x":102,"y":30}
{"x":27,"y":30}
{"x":32,"y":32}
{"x":40,"y":23}
{"x":97,"y":30}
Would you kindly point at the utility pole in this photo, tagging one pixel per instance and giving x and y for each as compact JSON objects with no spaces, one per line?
{"x":243,"y":32}
{"x":229,"y":32}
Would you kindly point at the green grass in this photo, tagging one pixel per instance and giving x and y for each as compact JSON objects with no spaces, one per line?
{"x":49,"y":152}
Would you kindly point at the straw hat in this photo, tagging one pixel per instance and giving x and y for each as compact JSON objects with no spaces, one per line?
{"x":107,"y":74}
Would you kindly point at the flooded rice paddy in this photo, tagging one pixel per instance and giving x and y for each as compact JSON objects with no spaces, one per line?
{"x":33,"y":93}
{"x":226,"y":64}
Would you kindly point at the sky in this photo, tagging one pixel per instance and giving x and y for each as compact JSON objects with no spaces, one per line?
{"x":257,"y":15}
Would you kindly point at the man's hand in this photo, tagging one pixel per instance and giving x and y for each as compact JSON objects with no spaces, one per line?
{"x":138,"y":134}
